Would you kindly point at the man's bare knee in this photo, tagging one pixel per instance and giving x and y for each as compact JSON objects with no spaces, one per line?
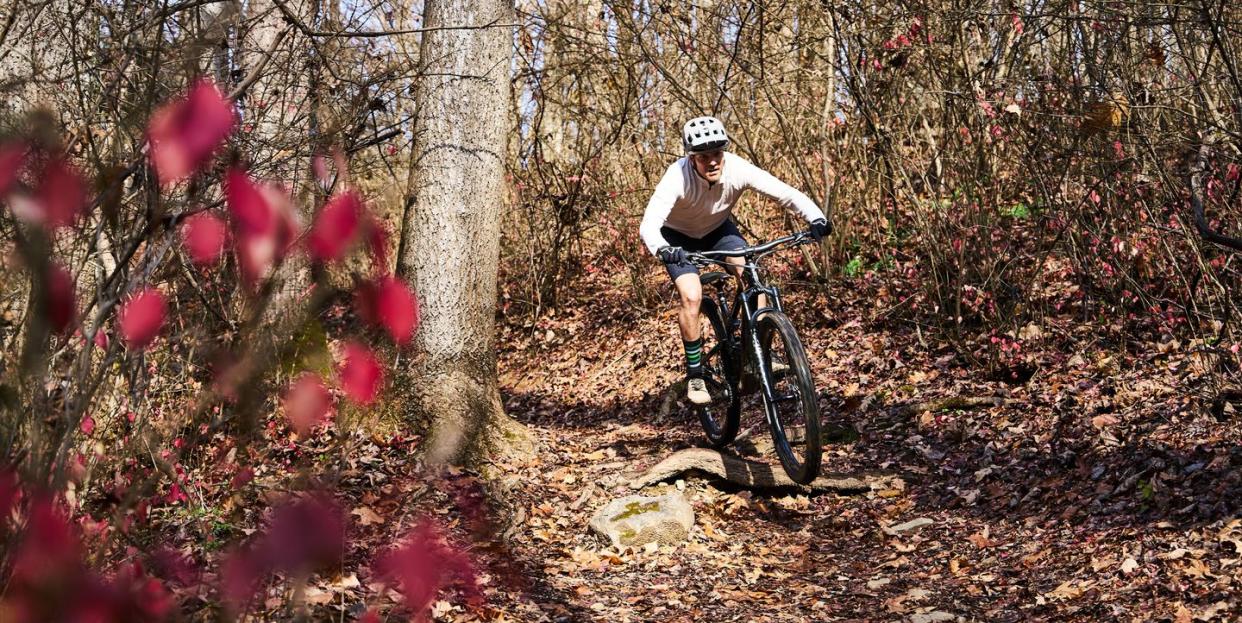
{"x":690,"y":289}
{"x":692,"y":300}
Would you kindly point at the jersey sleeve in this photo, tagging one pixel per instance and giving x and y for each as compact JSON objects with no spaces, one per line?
{"x":658,"y":208}
{"x":787,"y":196}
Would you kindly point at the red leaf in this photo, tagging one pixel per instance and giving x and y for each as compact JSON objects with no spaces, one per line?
{"x":12,"y":157}
{"x":394,"y":307}
{"x":360,"y":373}
{"x":335,"y":227}
{"x":243,"y":476}
{"x":88,"y":425}
{"x":61,"y":307}
{"x":204,"y":235}
{"x":251,"y":213}
{"x":377,"y":240}
{"x":58,"y":199}
{"x":8,"y":495}
{"x":425,"y":565}
{"x":186,"y":132}
{"x":319,"y":166}
{"x":62,"y":193}
{"x":101,"y":338}
{"x":307,"y":533}
{"x":307,"y":403}
{"x":263,"y":221}
{"x":142,"y":317}
{"x":175,"y":494}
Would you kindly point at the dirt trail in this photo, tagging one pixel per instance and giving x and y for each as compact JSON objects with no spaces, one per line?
{"x":1096,"y":491}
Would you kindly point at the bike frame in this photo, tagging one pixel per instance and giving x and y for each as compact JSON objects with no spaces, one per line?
{"x":746,"y":300}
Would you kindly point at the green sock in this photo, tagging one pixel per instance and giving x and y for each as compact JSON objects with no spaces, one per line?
{"x":694,"y":357}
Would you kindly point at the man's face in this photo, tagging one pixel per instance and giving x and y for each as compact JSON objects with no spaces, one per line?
{"x":709,"y":164}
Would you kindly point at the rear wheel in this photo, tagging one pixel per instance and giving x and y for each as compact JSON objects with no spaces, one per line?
{"x":720,"y":372}
{"x":792,"y":407}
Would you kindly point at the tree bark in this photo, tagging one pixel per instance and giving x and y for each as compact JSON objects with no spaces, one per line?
{"x":451,"y":236}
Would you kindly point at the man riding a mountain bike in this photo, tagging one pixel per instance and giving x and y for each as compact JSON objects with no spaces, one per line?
{"x":691,"y":211}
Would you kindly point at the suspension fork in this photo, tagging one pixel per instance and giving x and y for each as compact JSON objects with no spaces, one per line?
{"x":751,"y":329}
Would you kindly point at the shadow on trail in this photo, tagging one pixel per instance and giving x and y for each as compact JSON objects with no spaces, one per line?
{"x":1070,"y":477}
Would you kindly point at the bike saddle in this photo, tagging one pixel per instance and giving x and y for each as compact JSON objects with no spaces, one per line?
{"x":712,"y":277}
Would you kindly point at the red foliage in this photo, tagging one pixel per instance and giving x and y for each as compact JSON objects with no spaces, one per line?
{"x":263,"y":222}
{"x":142,"y":317}
{"x":335,"y":227}
{"x":308,"y":403}
{"x":101,"y":339}
{"x":303,"y":535}
{"x":62,"y":192}
{"x":389,"y":303}
{"x":61,"y":305}
{"x":49,"y":582}
{"x":243,"y":476}
{"x":174,"y":566}
{"x":9,"y":493}
{"x":360,"y":373}
{"x":204,"y":235}
{"x":58,"y":196}
{"x":12,"y":156}
{"x":425,"y":565}
{"x":377,"y":240}
{"x":186,"y":132}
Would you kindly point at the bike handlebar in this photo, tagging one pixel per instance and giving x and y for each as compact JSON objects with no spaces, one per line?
{"x":716,"y":257}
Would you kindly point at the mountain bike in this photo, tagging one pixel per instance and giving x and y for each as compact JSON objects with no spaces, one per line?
{"x":752,"y":348}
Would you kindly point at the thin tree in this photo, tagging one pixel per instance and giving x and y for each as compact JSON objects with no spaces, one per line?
{"x":451,"y":229}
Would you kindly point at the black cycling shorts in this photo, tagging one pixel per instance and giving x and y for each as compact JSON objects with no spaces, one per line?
{"x":723,"y":238}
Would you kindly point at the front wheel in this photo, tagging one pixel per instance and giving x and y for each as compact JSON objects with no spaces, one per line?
{"x":792,"y":408}
{"x":720,"y":371}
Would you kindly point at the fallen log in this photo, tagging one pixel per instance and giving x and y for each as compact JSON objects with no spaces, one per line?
{"x":756,"y":475}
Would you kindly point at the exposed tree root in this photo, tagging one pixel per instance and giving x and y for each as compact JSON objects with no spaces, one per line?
{"x":756,"y":475}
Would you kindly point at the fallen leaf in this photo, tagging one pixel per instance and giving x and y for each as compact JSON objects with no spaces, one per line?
{"x":366,"y":516}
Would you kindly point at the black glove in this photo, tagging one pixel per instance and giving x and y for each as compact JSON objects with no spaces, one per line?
{"x":672,"y":255}
{"x":819,"y":228}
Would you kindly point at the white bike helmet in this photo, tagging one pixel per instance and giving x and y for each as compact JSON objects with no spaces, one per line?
{"x":704,"y":134}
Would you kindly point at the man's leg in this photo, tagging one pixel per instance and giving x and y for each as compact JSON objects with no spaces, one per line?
{"x":739,"y":263}
{"x":690,"y":290}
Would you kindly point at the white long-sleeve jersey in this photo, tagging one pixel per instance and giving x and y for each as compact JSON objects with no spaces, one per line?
{"x":687,"y":203}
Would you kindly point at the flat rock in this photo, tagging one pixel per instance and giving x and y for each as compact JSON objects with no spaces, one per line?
{"x":913,"y":524}
{"x":935,"y":616}
{"x":636,"y":520}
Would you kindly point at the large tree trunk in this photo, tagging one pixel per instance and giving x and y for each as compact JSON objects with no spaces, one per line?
{"x":451,"y":236}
